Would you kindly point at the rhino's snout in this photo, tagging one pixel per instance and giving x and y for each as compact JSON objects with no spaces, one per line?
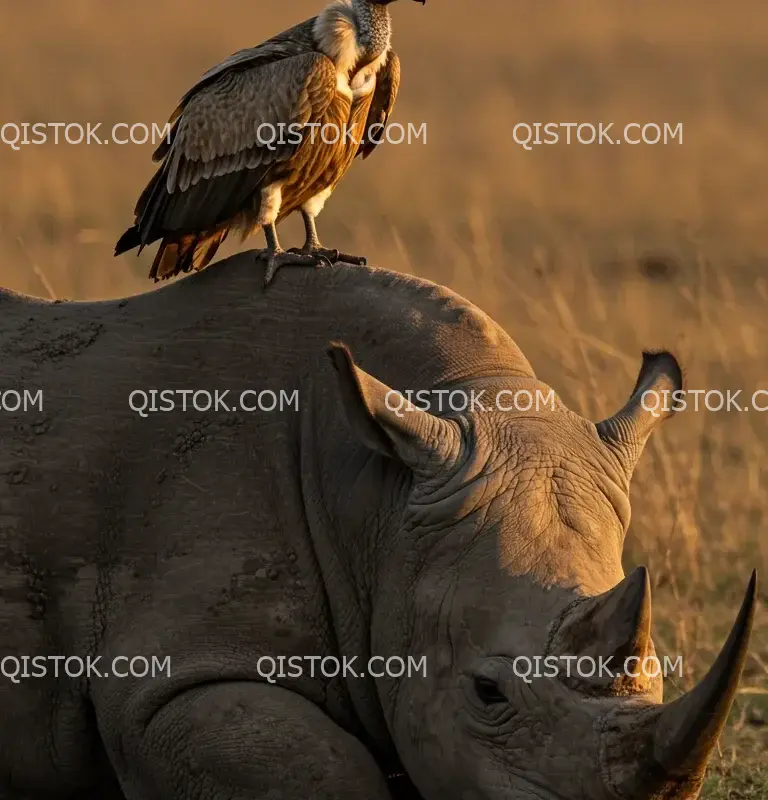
{"x":631,"y":747}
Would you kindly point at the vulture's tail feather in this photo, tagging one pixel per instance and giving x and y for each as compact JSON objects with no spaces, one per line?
{"x":206,"y":249}
{"x":192,"y":252}
{"x":128,"y":241}
{"x":140,"y":234}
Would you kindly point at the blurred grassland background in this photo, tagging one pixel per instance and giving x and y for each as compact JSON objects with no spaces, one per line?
{"x":587,"y":254}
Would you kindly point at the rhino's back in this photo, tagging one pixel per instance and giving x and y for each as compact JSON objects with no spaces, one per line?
{"x":97,"y":498}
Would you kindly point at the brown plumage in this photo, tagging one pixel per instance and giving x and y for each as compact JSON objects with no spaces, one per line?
{"x":248,"y":144}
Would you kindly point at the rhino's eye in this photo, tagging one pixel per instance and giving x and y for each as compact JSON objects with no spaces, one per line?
{"x":488,"y":691}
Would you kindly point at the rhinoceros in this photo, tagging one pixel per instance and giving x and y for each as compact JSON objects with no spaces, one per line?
{"x":318,"y":508}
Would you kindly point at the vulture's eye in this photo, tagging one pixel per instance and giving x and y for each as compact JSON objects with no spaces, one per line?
{"x":488,"y":691}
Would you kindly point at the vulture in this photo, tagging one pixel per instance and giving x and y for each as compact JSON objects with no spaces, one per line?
{"x":270,"y":130}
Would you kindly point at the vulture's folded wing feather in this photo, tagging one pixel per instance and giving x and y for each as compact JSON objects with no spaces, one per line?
{"x":293,"y":42}
{"x":228,"y":137}
{"x":384,"y":96}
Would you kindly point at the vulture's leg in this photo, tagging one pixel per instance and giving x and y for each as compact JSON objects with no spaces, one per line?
{"x":270,"y":201}
{"x":277,"y":257}
{"x":312,"y":243}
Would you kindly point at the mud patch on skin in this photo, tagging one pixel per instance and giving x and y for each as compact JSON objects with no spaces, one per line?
{"x":194,"y":434}
{"x":53,"y":344}
{"x":37,"y":593}
{"x":25,"y":431}
{"x":282,"y":621}
{"x":33,"y":583}
{"x":17,"y":474}
{"x":272,"y":566}
{"x":189,"y":438}
{"x":276,"y":569}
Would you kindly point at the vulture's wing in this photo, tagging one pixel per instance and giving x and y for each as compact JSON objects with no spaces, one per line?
{"x":224,"y":143}
{"x":384,"y":96}
{"x":295,"y":41}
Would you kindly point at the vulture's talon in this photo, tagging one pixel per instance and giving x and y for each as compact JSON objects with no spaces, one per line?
{"x":359,"y":261}
{"x":285,"y":258}
{"x":332,"y":256}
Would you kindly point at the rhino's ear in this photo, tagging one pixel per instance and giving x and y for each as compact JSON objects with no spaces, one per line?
{"x":655,"y":398}
{"x":384,"y":420}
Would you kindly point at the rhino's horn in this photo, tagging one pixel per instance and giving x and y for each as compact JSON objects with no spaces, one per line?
{"x":622,"y":621}
{"x":680,"y":736}
{"x":616,"y":624}
{"x":688,"y":729}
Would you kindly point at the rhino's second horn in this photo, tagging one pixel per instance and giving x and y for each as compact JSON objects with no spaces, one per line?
{"x":680,"y":736}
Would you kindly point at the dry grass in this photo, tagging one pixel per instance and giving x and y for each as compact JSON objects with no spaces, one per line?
{"x":587,"y":254}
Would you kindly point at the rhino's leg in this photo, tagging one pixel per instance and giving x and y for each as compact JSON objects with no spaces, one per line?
{"x":245,"y":741}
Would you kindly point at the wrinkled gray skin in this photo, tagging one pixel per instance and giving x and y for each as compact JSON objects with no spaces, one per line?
{"x":338,"y":529}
